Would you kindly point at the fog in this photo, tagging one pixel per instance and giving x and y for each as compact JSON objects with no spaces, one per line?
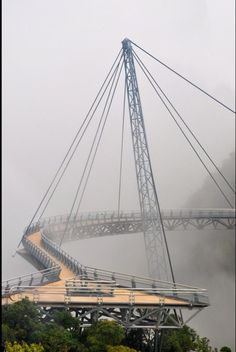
{"x":55,"y":57}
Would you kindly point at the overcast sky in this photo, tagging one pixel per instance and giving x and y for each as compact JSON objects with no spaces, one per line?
{"x":56,"y":54}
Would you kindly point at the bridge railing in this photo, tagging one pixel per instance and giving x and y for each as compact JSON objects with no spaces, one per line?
{"x":166,"y":213}
{"x":41,"y":256}
{"x":97,"y":295}
{"x":37,"y":278}
{"x":105,"y":216}
{"x":134,"y":281}
{"x":90,"y":217}
{"x":59,"y":253}
{"x":198,"y":213}
{"x":122,"y":280}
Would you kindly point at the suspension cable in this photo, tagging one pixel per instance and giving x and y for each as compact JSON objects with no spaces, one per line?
{"x":95,"y":109}
{"x":88,"y":158}
{"x":190,"y":131}
{"x":86,"y":182}
{"x":216,"y":183}
{"x":121,"y":149}
{"x":91,"y":149}
{"x":69,"y":149}
{"x":184,"y":78}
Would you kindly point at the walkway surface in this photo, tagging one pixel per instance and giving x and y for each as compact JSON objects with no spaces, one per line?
{"x":89,"y":292}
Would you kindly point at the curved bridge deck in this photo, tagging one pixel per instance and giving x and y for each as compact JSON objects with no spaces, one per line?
{"x":135,"y":302}
{"x":78,"y":290}
{"x":107,"y":224}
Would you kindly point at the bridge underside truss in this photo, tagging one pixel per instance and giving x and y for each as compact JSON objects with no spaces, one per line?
{"x":108,"y":224}
{"x":129,"y":317}
{"x":92,"y":306}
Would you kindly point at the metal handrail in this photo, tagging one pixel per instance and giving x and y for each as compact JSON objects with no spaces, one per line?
{"x":34,"y":275}
{"x":119,"y":290}
{"x":133,"y":279}
{"x":69,"y":261}
{"x":190,"y":296}
{"x":45,"y":259}
{"x":137,"y":279}
{"x":107,"y":215}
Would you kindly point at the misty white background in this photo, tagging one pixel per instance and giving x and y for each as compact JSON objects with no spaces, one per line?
{"x":55,"y":56}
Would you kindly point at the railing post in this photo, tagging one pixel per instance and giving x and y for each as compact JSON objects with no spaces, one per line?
{"x":195,"y":298}
{"x":31,"y":280}
{"x":131,"y":298}
{"x":133,"y":283}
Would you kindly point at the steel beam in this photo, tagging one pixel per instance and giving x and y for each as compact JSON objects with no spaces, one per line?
{"x":159,"y":263}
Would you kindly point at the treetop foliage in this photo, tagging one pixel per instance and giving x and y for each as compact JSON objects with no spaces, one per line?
{"x":27,"y":328}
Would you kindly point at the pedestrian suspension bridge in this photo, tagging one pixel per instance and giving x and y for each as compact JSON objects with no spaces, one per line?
{"x":156,"y":302}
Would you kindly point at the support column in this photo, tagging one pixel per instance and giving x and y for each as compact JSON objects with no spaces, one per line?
{"x":158,"y":258}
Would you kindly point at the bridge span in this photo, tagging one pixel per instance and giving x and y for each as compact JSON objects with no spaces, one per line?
{"x":98,"y":224}
{"x":92,"y":293}
{"x":135,"y":302}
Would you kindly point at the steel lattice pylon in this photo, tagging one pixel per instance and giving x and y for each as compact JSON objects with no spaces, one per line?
{"x":159,"y":264}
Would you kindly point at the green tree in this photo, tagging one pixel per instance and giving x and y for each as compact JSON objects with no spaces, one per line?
{"x":102,"y":334}
{"x":24,"y":347}
{"x":179,"y":340}
{"x":202,"y":344}
{"x":55,"y":338}
{"x":120,"y":348}
{"x":137,"y":339}
{"x":8,"y":334}
{"x":67,"y":321}
{"x":59,"y":331}
{"x":24,"y":322}
{"x":225,"y":349}
{"x":20,"y":320}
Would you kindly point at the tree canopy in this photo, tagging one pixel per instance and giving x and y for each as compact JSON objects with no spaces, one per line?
{"x":28,"y":328}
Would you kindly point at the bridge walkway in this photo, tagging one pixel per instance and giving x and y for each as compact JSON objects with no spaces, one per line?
{"x":88,"y":292}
